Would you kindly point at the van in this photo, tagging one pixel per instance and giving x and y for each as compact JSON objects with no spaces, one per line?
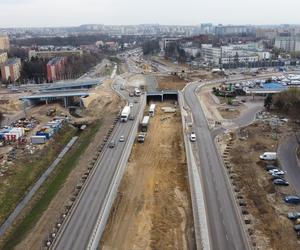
{"x":268,"y":156}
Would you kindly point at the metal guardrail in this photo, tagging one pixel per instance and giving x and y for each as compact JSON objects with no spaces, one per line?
{"x":197,"y":197}
{"x":112,"y":193}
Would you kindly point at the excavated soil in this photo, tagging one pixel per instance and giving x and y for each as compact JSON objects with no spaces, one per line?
{"x":153,"y":207}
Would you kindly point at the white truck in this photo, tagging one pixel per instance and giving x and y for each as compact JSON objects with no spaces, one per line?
{"x":152,"y":110}
{"x":137,"y":92}
{"x":141,"y":137}
{"x":268,"y":156}
{"x":125,"y":114}
{"x":145,"y":123}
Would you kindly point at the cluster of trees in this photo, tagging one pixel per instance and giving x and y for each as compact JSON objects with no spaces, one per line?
{"x":173,"y":50}
{"x":286,"y":101}
{"x":150,"y":47}
{"x":35,"y":70}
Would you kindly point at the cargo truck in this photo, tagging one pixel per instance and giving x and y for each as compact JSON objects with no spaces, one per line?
{"x":125,"y":114}
{"x":145,"y":123}
{"x":152,"y":110}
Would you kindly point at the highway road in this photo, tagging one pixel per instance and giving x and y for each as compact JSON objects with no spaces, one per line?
{"x":78,"y":229}
{"x":224,"y":221}
{"x":287,"y":154}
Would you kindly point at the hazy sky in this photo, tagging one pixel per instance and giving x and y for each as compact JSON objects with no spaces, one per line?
{"x":37,"y":13}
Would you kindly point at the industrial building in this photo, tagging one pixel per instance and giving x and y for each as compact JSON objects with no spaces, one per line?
{"x":56,"y":69}
{"x":11,"y":70}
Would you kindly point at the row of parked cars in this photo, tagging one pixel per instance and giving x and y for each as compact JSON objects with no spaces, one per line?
{"x":277,"y":176}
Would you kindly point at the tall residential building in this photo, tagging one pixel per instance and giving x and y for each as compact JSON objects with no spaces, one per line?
{"x":4,"y":42}
{"x":11,"y":70}
{"x":221,"y":30}
{"x":3,"y":57}
{"x":288,"y":43}
{"x":56,"y":68}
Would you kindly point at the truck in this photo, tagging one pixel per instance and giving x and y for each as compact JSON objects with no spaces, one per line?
{"x":268,"y":156}
{"x":141,"y":137}
{"x":125,"y":113}
{"x":137,"y":92}
{"x":145,"y":123}
{"x":152,"y":110}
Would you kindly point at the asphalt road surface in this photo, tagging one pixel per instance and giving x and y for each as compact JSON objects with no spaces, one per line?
{"x":287,"y":154}
{"x":225,"y":225}
{"x":78,"y":229}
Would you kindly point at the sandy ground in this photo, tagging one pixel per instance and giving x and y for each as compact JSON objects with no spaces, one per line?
{"x":269,"y":227}
{"x":99,"y":109}
{"x":171,"y":82}
{"x":153,"y":208}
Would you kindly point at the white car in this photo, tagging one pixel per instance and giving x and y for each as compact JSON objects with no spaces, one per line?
{"x":276,"y":171}
{"x":122,"y":138}
{"x":130,"y":105}
{"x":193,"y":137}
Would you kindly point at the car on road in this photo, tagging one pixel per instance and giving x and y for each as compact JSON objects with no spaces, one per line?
{"x":131,"y":117}
{"x":122,"y":138}
{"x":131,"y":94}
{"x":136,"y":101}
{"x":292,"y":199}
{"x":276,"y":171}
{"x":293,"y":215}
{"x":112,"y":144}
{"x":193,"y":137}
{"x":130,"y":105}
{"x":280,"y":182}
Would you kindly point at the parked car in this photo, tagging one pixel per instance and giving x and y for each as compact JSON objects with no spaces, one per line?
{"x":280,"y":182}
{"x":193,"y":137}
{"x":297,"y":228}
{"x":112,"y":144}
{"x":270,"y":167}
{"x":268,"y":156}
{"x":292,"y":199}
{"x":122,"y":138}
{"x":293,"y":215}
{"x":276,"y":171}
{"x":275,"y":176}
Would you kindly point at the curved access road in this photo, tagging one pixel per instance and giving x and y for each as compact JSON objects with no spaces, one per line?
{"x":224,"y":220}
{"x":287,"y":155}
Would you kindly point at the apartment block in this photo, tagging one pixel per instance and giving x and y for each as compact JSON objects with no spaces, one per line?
{"x":56,"y":68}
{"x":4,"y":42}
{"x":11,"y":70}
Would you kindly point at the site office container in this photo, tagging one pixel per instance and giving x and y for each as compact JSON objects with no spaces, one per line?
{"x":46,"y":131}
{"x":38,"y":139}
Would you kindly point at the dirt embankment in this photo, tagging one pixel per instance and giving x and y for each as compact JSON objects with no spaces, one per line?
{"x":269,"y":227}
{"x":153,"y":208}
{"x":104,"y":109}
{"x":171,"y":82}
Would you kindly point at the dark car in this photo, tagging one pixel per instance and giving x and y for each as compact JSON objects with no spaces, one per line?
{"x":131,"y":117}
{"x":112,"y":144}
{"x":297,"y":228}
{"x":275,"y":176}
{"x":281,"y":182}
{"x":270,"y":167}
{"x":293,"y":215}
{"x":298,"y":234}
{"x":292,"y":199}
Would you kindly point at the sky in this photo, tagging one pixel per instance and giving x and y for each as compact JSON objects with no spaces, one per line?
{"x":44,"y":13}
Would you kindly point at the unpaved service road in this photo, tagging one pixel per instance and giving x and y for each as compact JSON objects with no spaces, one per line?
{"x":153,"y":208}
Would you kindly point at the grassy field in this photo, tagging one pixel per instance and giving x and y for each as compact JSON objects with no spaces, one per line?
{"x":27,"y":170}
{"x":51,"y":187}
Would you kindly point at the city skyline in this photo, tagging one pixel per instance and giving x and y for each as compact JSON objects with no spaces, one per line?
{"x":33,"y":13}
